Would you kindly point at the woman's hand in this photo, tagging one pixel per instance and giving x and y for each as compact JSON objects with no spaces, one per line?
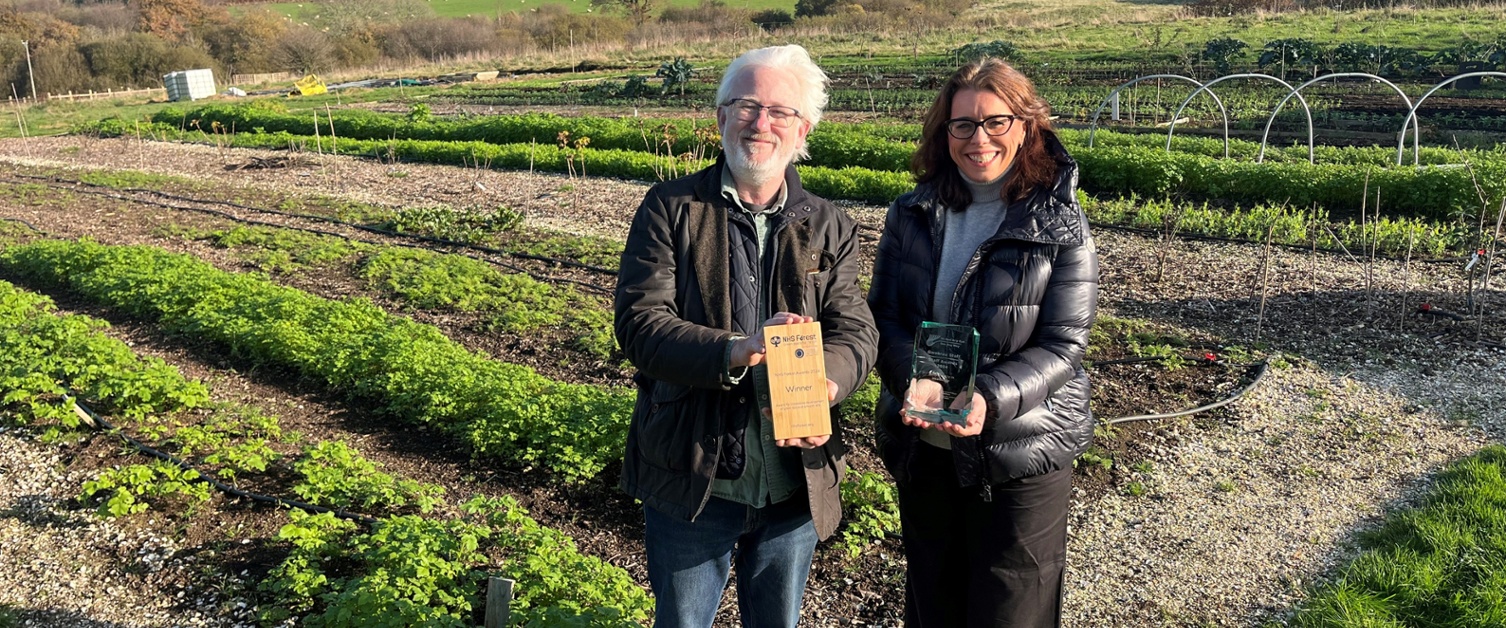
{"x":750,"y":351}
{"x":975,"y":416}
{"x":922,"y":393}
{"x":925,"y":392}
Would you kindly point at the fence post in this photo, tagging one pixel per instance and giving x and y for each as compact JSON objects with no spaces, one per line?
{"x":498,"y":602}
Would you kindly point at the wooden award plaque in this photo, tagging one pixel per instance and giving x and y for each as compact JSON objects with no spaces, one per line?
{"x":797,"y":380}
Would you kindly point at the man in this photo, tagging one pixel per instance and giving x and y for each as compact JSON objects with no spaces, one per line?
{"x":710,"y":260}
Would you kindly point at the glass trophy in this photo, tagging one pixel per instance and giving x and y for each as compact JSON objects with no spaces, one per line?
{"x":947,"y":355}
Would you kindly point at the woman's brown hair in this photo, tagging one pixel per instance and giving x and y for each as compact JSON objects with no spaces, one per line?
{"x":1033,"y":164}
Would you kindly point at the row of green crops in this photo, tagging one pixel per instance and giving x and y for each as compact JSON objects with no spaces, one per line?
{"x":407,"y":370}
{"x":407,"y":570}
{"x":1284,"y":225}
{"x":832,"y":145}
{"x":859,"y":184}
{"x":1121,"y":165}
{"x":49,"y":359}
{"x":425,"y":279}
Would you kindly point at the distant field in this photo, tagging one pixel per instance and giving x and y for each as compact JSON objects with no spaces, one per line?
{"x":306,"y":11}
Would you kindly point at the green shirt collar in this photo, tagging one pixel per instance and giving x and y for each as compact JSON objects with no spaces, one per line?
{"x":729,"y":192}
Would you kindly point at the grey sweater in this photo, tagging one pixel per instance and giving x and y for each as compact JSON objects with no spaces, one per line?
{"x":962,"y":233}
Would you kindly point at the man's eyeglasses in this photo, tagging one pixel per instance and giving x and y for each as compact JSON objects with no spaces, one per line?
{"x":747,"y":111}
{"x":964,"y":128}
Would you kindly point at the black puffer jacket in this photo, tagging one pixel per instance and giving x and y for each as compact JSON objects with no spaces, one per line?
{"x":1032,"y":293}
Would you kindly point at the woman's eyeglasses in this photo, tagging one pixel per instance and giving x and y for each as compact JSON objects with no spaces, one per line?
{"x":965,"y":128}
{"x":747,"y":111}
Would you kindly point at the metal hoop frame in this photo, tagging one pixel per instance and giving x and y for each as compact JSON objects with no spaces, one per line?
{"x":1093,"y":130}
{"x":1412,"y":115}
{"x":1416,"y":134}
{"x":1308,"y":110}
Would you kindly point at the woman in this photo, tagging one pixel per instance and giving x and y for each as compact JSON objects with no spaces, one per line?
{"x":991,"y":237}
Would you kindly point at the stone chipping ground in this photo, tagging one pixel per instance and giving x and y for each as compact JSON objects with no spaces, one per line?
{"x":1241,"y":509}
{"x":61,"y":566}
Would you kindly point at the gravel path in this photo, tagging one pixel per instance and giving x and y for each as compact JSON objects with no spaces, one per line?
{"x":61,"y":566}
{"x":1239,"y":513}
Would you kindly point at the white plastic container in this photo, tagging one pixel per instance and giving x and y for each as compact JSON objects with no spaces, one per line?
{"x":189,"y":84}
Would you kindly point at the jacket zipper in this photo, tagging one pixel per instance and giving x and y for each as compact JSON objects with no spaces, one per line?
{"x":986,"y":492}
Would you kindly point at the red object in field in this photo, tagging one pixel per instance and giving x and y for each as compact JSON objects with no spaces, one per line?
{"x":1210,"y":357}
{"x":1426,"y":307}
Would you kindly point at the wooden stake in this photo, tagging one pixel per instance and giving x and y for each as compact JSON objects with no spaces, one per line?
{"x":1406,"y":278}
{"x":1265,"y":277}
{"x":334,"y":144}
{"x":498,"y":602}
{"x":1370,"y":263}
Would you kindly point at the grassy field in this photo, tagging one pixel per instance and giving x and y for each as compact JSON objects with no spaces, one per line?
{"x":1441,"y":563}
{"x":308,"y":11}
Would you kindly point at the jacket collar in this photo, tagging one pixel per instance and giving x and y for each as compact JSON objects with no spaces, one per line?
{"x":1046,"y":216}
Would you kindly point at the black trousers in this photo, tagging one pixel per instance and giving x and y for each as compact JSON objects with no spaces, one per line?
{"x":977,"y":564}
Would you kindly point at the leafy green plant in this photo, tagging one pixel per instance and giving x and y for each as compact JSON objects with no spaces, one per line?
{"x":408,"y":370}
{"x":432,"y":280}
{"x":50,"y":359}
{"x":998,"y":49}
{"x":871,"y":504}
{"x":129,"y":487}
{"x":561,"y":581}
{"x":1094,"y":457}
{"x":414,"y":572}
{"x":238,"y":441}
{"x":1222,"y":52}
{"x":863,"y":401}
{"x":419,"y":112}
{"x":468,"y":225}
{"x":284,"y":250}
{"x":593,"y":325}
{"x":333,"y":474}
{"x":676,"y":74}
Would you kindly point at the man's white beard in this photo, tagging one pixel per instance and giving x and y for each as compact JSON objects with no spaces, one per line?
{"x":756,"y":173}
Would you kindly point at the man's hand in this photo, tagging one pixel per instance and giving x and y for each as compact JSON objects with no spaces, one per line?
{"x":750,"y":351}
{"x":810,"y":442}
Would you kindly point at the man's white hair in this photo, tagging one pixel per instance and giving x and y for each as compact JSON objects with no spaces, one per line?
{"x":810,"y":81}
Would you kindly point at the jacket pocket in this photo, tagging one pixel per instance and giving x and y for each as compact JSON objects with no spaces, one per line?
{"x":668,"y":434}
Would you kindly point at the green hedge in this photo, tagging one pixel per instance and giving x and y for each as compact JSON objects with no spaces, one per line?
{"x":409,"y":370}
{"x":873,"y":166}
{"x":1440,"y":193}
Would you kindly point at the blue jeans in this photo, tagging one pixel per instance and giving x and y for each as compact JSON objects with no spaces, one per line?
{"x":688,"y":562}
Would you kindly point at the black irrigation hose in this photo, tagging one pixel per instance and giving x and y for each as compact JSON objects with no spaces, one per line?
{"x":1265,"y":366}
{"x":316,"y":217}
{"x":28,"y":225}
{"x":248,"y":221}
{"x":102,"y":424}
{"x":1145,"y":358}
